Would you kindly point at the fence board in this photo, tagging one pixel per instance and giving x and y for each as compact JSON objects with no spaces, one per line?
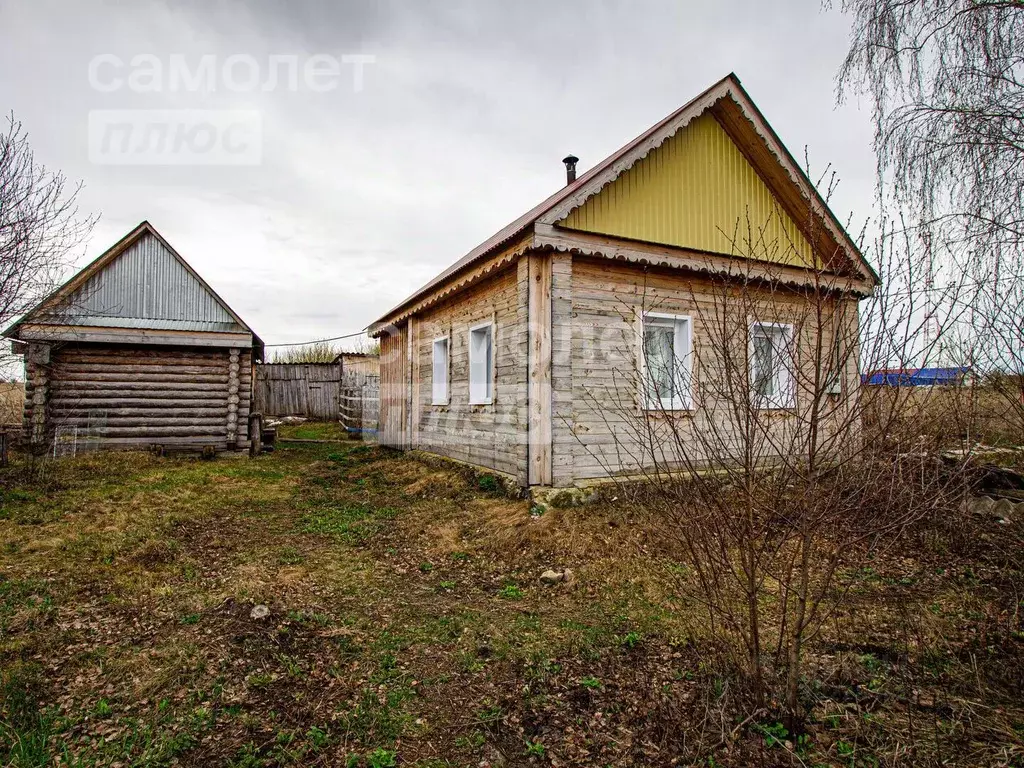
{"x":311,"y":390}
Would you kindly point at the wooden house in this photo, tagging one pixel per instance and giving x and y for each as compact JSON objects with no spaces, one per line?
{"x":496,"y":361}
{"x":136,"y":351}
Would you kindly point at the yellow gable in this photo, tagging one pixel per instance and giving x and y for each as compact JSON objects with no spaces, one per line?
{"x":697,"y":191}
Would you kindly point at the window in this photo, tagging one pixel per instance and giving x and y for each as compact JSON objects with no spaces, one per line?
{"x":668,"y":362}
{"x":771,"y":366}
{"x":481,"y":364}
{"x":440,"y":372}
{"x":834,"y":383}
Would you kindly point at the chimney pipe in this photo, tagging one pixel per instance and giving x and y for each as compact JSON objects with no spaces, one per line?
{"x":570,"y":168}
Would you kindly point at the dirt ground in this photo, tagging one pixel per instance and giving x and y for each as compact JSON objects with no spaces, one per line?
{"x":406,"y":626}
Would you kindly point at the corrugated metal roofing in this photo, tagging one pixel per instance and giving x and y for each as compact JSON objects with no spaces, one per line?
{"x":528,"y":219}
{"x":153,"y":324}
{"x":682,"y":195}
{"x":146,"y":287}
{"x":916,"y":377}
{"x":139,"y":282}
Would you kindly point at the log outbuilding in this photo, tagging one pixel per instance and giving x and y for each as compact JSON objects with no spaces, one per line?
{"x":136,"y":351}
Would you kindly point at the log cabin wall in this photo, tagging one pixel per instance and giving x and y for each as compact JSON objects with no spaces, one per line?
{"x":136,"y":396}
{"x":494,"y":435}
{"x":598,"y":309}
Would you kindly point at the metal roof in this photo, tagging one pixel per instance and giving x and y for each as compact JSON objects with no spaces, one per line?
{"x":140,"y":282}
{"x":916,"y":377}
{"x":575,"y":193}
{"x":146,"y":287}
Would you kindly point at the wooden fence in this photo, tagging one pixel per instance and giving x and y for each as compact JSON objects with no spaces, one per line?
{"x":312,"y":390}
{"x":360,"y":404}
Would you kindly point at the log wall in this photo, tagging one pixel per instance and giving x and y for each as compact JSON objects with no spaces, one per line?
{"x":494,"y":435}
{"x":105,"y":396}
{"x":600,"y":425}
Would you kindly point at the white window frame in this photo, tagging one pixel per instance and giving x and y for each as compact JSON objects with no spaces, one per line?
{"x":442,"y":397}
{"x":682,"y":350}
{"x":786,"y":376}
{"x":474,"y":398}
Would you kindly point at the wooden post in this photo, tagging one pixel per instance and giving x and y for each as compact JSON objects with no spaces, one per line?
{"x":539,"y":452}
{"x":410,"y":437}
{"x":255,"y":434}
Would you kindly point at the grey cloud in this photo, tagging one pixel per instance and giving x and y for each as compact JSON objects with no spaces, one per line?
{"x":464,"y":117}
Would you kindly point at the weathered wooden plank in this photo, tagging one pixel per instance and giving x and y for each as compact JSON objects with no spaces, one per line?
{"x":152,"y":423}
{"x":117,"y":388}
{"x":60,"y":410}
{"x":72,"y":369}
{"x":148,"y":431}
{"x":539,"y":376}
{"x":114,"y":376}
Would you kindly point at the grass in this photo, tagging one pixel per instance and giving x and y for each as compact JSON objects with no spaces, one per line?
{"x":406,"y":627}
{"x":313,"y":430}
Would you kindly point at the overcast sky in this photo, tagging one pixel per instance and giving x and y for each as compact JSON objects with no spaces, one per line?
{"x":363,"y":194}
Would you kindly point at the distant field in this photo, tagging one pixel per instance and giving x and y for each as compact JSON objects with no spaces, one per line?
{"x":12,"y":399}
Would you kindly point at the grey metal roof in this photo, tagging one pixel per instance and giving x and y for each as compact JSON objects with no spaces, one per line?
{"x":146,"y":286}
{"x":154,"y":324}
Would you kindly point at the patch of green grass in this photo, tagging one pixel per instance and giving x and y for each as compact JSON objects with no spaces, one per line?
{"x":590,"y":682}
{"x":259,"y":680}
{"x":511,"y":592}
{"x":774,"y":733}
{"x":289,"y":556}
{"x":631,"y":640}
{"x":535,"y":749}
{"x":314,"y":430}
{"x":317,"y":737}
{"x":353,"y":523}
{"x":379,"y":713}
{"x":488,"y":483}
{"x":381,"y":758}
{"x":23,"y":596}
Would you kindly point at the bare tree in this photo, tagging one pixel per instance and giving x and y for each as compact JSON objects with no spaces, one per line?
{"x":946,"y":83}
{"x":40,"y":225}
{"x":775,"y":473}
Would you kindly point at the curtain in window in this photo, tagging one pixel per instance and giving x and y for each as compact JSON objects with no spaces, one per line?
{"x":764,"y":365}
{"x":659,"y":353}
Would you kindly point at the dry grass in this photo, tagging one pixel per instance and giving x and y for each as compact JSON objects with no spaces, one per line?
{"x":408,"y":627}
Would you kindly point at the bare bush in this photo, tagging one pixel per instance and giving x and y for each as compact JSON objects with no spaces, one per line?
{"x":776,"y":474}
{"x":320,"y":352}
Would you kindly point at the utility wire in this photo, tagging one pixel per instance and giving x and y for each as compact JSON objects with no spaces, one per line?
{"x":319,"y":341}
